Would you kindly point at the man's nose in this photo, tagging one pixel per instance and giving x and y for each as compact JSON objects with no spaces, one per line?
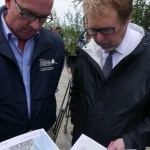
{"x":100,"y":36}
{"x":35,"y":24}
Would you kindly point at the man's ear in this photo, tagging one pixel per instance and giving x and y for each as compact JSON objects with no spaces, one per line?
{"x":8,"y":3}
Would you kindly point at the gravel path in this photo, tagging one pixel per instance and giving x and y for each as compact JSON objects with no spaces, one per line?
{"x":63,"y":141}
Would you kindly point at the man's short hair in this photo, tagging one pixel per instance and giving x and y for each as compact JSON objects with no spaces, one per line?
{"x":95,"y":7}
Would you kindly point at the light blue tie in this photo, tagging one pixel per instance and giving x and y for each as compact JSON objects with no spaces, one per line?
{"x":108,"y":64}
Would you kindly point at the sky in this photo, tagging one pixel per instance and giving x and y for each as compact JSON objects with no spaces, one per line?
{"x":60,"y":6}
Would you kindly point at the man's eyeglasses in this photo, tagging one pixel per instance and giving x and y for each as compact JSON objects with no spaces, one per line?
{"x":32,"y":17}
{"x":104,"y":31}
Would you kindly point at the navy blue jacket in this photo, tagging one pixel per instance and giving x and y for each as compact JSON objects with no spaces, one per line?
{"x":46,"y":66}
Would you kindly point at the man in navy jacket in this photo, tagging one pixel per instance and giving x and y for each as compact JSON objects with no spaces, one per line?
{"x":31,"y":62}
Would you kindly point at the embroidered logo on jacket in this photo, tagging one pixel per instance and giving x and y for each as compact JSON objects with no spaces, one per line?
{"x":46,"y":65}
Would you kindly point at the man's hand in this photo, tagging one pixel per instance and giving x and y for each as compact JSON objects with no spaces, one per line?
{"x":116,"y":145}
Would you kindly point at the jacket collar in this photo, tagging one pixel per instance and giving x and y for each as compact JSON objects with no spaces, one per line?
{"x":94,"y":51}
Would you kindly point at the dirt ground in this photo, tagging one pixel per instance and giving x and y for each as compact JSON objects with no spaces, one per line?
{"x":63,"y":141}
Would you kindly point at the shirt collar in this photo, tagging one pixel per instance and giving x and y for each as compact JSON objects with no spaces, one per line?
{"x":6,"y":30}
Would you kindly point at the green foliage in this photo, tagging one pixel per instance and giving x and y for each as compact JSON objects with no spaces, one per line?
{"x":141,"y":14}
{"x":76,"y":2}
{"x":72,"y":28}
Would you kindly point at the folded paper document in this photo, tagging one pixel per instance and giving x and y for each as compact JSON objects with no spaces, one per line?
{"x":34,"y":140}
{"x":86,"y":143}
{"x":40,"y":140}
